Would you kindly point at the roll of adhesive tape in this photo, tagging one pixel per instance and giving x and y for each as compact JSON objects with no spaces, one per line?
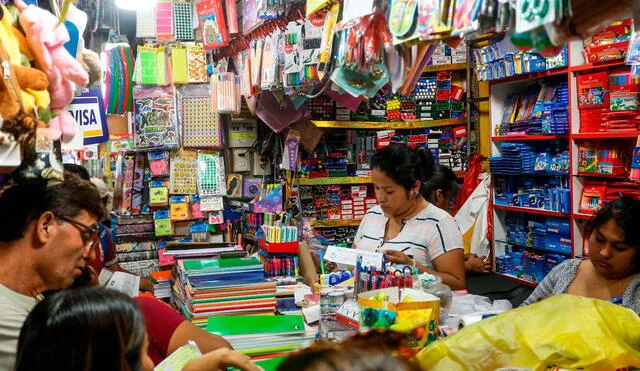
{"x":469,"y":319}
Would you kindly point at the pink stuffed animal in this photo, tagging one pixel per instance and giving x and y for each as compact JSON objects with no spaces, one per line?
{"x":47,"y":37}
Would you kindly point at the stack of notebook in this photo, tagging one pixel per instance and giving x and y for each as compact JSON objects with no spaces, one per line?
{"x":263,"y":337}
{"x":222,"y":286}
{"x":162,"y":285}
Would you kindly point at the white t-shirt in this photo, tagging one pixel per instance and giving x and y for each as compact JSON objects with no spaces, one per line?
{"x":14,"y":308}
{"x":424,"y":237}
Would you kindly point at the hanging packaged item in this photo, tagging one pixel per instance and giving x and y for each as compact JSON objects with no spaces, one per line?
{"x":164,"y":20}
{"x":179,"y":66}
{"x":269,"y":65}
{"x":155,"y":123}
{"x":159,"y":163}
{"x":255,"y":55}
{"x":117,"y":79}
{"x":232,"y":16}
{"x":293,"y":63}
{"x":196,"y":64}
{"x":201,"y":127}
{"x":146,"y":23}
{"x":152,"y":66}
{"x":184,"y":167}
{"x":225,"y":93}
{"x":183,"y":20}
{"x":211,"y":174}
{"x":212,"y":24}
{"x":403,"y":19}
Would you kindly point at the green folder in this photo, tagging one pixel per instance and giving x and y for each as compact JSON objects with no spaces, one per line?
{"x":255,"y":325}
{"x":205,"y":264}
{"x":267,"y":364}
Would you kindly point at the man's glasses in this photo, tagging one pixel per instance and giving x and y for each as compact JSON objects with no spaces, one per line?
{"x":88,"y":233}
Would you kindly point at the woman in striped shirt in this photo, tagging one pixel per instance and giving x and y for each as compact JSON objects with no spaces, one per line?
{"x":405,"y":226}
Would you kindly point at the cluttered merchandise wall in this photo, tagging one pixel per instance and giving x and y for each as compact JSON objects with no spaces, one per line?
{"x":236,"y":140}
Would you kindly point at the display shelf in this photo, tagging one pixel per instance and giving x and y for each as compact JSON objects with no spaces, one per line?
{"x":603,"y":176}
{"x":631,"y":134}
{"x":535,"y":249}
{"x":335,"y":223}
{"x":595,"y":66}
{"x":507,"y":138}
{"x":518,"y":280}
{"x":397,"y":125}
{"x":528,"y":210}
{"x":446,"y":67}
{"x":532,"y":75}
{"x":335,"y":180}
{"x":580,"y":216}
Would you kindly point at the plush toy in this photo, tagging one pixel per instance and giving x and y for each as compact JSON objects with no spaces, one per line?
{"x":91,"y":62}
{"x":47,"y":37}
{"x":30,"y":82}
{"x":16,"y":77}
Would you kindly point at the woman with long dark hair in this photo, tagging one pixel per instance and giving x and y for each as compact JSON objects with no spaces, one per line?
{"x":612,"y":271}
{"x":97,"y":329}
{"x":408,"y":228}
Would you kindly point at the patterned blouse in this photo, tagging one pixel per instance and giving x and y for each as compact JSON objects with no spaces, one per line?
{"x":558,"y":280}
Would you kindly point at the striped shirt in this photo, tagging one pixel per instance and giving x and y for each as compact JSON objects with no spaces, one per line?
{"x":424,"y":237}
{"x":560,"y":278}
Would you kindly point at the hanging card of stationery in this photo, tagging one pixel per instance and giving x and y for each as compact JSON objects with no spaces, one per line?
{"x":255,"y":54}
{"x":201,"y":127}
{"x":183,"y":19}
{"x":155,"y":123}
{"x":250,"y":20}
{"x":427,"y":18}
{"x":225,"y":93}
{"x":212,"y":24}
{"x":312,"y":43}
{"x":183,"y":173}
{"x":293,"y":64}
{"x":179,"y":65}
{"x":196,"y":64}
{"x":403,"y":20}
{"x":211,"y":174}
{"x":232,"y":16}
{"x":146,"y":23}
{"x":164,"y":20}
{"x":269,"y":70}
{"x":147,"y":65}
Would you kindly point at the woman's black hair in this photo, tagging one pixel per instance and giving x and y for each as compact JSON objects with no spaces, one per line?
{"x":626,"y":212}
{"x":404,"y":165}
{"x":82,"y":329}
{"x":442,"y":178}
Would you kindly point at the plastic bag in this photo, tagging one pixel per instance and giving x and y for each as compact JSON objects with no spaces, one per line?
{"x":564,"y":331}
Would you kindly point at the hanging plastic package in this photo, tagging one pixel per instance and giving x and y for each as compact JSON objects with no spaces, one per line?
{"x":275,"y":114}
{"x":201,"y":127}
{"x":586,"y":333}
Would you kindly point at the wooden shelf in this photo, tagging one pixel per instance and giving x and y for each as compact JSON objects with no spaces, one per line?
{"x":580,"y":216}
{"x":335,"y":223}
{"x":397,"y":125}
{"x":518,"y":280}
{"x":594,"y":66}
{"x":446,"y":67}
{"x":335,"y":180}
{"x":532,"y":75}
{"x":528,"y":210}
{"x":528,"y":137}
{"x":630,"y":134}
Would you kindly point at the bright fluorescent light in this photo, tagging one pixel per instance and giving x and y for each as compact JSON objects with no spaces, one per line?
{"x":135,"y":4}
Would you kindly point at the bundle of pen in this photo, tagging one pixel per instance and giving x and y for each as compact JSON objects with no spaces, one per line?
{"x":280,"y":266}
{"x":368,"y":278}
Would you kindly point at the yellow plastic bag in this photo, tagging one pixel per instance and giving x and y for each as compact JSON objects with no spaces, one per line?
{"x":565,"y":331}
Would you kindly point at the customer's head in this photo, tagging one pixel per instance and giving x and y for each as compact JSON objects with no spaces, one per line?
{"x":398,"y":176}
{"x":53,"y":226}
{"x":441,"y":187}
{"x":373,"y":351}
{"x":105,"y":193}
{"x":84,"y":329}
{"x":614,"y":238}
{"x":78,"y":170}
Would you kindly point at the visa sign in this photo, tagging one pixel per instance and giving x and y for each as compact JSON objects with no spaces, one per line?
{"x":88,"y":111}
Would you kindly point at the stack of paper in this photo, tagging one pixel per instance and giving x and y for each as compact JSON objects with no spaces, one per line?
{"x":162,"y":287}
{"x":222,"y":286}
{"x":263,"y":337}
